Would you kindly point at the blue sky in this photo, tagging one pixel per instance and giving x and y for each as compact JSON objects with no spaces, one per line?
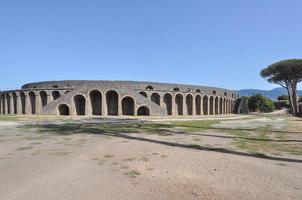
{"x":204,"y":42}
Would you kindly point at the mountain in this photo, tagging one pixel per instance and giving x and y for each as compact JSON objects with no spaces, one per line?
{"x":272,"y":94}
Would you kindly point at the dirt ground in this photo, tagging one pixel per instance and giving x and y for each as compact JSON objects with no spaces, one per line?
{"x":211,"y":163}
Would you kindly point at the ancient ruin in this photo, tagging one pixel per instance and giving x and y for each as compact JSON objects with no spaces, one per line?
{"x":117,"y":98}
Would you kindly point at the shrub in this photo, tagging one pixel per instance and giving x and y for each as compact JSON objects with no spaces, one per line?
{"x":259,"y":103}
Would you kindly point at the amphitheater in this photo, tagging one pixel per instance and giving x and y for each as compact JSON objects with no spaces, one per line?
{"x":117,"y":98}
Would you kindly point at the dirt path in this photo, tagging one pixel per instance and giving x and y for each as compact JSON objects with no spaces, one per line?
{"x":85,"y":166}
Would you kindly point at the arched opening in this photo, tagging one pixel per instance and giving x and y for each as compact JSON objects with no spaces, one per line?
{"x":63,"y":109}
{"x":189,"y":103}
{"x":198,"y":91}
{"x":3,"y":104}
{"x":55,"y":86}
{"x":220,"y":106}
{"x":198,"y":104}
{"x":227,"y":106}
{"x":143,"y":111}
{"x":112,"y":102}
{"x":149,"y":87}
{"x":8,"y":103}
{"x":224,"y":106}
{"x":205,"y":105}
{"x":176,"y":89}
{"x":32,"y":99}
{"x":128,"y":106}
{"x":155,"y":98}
{"x":225,"y":93}
{"x":22,"y":98}
{"x":179,"y":104}
{"x":214,"y":92}
{"x":66,"y":92}
{"x":143,"y":93}
{"x":55,"y":95}
{"x":216,"y":106}
{"x":80,"y":104}
{"x":43,"y":96}
{"x":211,"y":105}
{"x":96,"y":102}
{"x":168,"y":103}
{"x":15,"y":103}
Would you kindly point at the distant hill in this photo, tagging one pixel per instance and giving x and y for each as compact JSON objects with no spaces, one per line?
{"x":272,"y":94}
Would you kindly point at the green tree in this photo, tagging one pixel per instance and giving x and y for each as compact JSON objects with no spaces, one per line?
{"x":287,"y":73}
{"x":283,"y":97}
{"x":257,"y":103}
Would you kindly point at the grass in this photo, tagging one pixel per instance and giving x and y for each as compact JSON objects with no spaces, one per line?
{"x":132,"y":173}
{"x":34,"y":117}
{"x":193,"y":126}
{"x":10,"y":118}
{"x":24,"y":148}
{"x":129,"y":159}
{"x":108,"y":156}
{"x":257,"y":140}
{"x":261,"y":142}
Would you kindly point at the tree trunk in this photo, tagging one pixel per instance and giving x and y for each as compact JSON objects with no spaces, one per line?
{"x":290,"y":99}
{"x":294,"y":96}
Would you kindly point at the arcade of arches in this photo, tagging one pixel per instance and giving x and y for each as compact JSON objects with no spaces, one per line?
{"x":111,"y":103}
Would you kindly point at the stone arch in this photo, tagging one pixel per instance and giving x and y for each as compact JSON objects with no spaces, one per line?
{"x":198,"y":104}
{"x":55,"y":94}
{"x":149,"y":87}
{"x":168,"y":103}
{"x":63,"y":109}
{"x":143,"y":111}
{"x":205,"y":105}
{"x":32,"y":100}
{"x":220,"y":105}
{"x":43,"y":97}
{"x":211,"y":105}
{"x":189,"y":103}
{"x":112,"y":102}
{"x":96,"y":102}
{"x":143,"y":93}
{"x":80,"y":104}
{"x":128,"y":106}
{"x":179,"y":104}
{"x":22,"y":98}
{"x":216,"y":105}
{"x":14,"y":96}
{"x":155,"y":98}
{"x":176,"y":89}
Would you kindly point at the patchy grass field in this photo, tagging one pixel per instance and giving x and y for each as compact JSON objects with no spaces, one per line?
{"x":256,"y":157}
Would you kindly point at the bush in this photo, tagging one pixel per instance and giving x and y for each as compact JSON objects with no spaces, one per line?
{"x":283,"y":97}
{"x":281,"y":104}
{"x":259,"y":103}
